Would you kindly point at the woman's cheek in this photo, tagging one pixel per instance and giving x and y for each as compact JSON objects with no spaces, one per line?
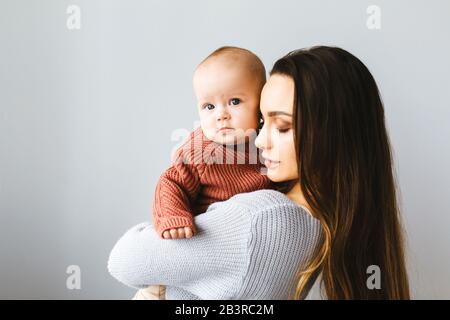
{"x":289,"y":157}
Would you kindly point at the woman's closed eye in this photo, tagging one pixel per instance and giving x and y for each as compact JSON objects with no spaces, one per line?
{"x":282,"y":126}
{"x":283,"y":130}
{"x":280,"y":129}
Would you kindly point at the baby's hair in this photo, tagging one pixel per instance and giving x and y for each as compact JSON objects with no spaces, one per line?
{"x":254,"y":62}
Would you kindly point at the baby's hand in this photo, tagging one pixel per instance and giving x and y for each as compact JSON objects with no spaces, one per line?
{"x":178,"y":233}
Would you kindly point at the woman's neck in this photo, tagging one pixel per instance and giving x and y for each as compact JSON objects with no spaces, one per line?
{"x":296,"y":195}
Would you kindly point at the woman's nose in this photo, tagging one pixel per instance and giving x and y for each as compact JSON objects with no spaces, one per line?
{"x":262,"y":141}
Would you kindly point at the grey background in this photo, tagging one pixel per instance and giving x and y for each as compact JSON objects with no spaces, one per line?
{"x":86,"y":118}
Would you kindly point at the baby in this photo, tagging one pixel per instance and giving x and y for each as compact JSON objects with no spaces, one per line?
{"x":227,"y":85}
{"x":217,"y":161}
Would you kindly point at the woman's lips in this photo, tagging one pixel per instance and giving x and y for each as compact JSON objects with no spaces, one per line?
{"x":271,"y":164}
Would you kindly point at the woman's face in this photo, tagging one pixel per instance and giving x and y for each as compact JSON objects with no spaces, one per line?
{"x":276,"y":138}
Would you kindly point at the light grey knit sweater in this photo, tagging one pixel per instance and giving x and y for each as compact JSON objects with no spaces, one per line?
{"x":248,"y":247}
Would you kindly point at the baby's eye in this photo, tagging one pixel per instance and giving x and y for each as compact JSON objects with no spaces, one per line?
{"x":235,"y":101}
{"x":209,"y":106}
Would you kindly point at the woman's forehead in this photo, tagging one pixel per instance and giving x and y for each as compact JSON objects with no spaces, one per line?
{"x":278,"y":95}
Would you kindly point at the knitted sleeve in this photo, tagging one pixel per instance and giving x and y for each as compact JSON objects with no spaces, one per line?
{"x":175,"y":190}
{"x":175,"y":293}
{"x":209,"y":265}
{"x":248,"y":247}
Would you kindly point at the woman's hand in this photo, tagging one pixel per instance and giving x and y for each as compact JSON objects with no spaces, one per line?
{"x":178,"y":233}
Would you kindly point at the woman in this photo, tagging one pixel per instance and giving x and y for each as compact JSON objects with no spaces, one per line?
{"x":326,"y":145}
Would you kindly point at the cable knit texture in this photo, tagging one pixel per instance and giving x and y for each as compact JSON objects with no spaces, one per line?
{"x":248,"y":247}
{"x":204,"y":172}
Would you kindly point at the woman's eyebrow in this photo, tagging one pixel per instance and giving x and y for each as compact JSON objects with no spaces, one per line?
{"x":277,"y":113}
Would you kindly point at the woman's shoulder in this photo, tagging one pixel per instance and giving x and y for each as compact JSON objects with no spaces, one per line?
{"x":283,"y":237}
{"x":268,"y":200}
{"x":273,"y":209}
{"x":265,"y":204}
{"x":261,"y":199}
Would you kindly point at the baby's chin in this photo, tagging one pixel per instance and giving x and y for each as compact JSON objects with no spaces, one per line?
{"x":234,"y":137}
{"x":229,"y":139}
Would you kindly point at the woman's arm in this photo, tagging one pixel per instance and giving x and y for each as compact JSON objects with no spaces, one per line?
{"x":211,"y":262}
{"x":175,"y":293}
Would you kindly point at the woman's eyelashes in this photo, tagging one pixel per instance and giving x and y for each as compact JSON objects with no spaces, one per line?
{"x":279,"y":128}
{"x":283,"y":130}
{"x":282,"y":126}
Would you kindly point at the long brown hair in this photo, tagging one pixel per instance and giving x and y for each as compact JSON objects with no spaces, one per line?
{"x":346,"y":174}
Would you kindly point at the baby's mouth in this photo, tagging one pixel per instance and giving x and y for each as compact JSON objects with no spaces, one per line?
{"x":225,"y":130}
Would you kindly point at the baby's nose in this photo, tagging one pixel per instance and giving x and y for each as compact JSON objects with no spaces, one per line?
{"x":222,"y":114}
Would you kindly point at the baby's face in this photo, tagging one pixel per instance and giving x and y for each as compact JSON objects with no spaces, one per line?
{"x":228,"y":101}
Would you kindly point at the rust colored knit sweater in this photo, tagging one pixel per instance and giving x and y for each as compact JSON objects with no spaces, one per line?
{"x":204,"y":172}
